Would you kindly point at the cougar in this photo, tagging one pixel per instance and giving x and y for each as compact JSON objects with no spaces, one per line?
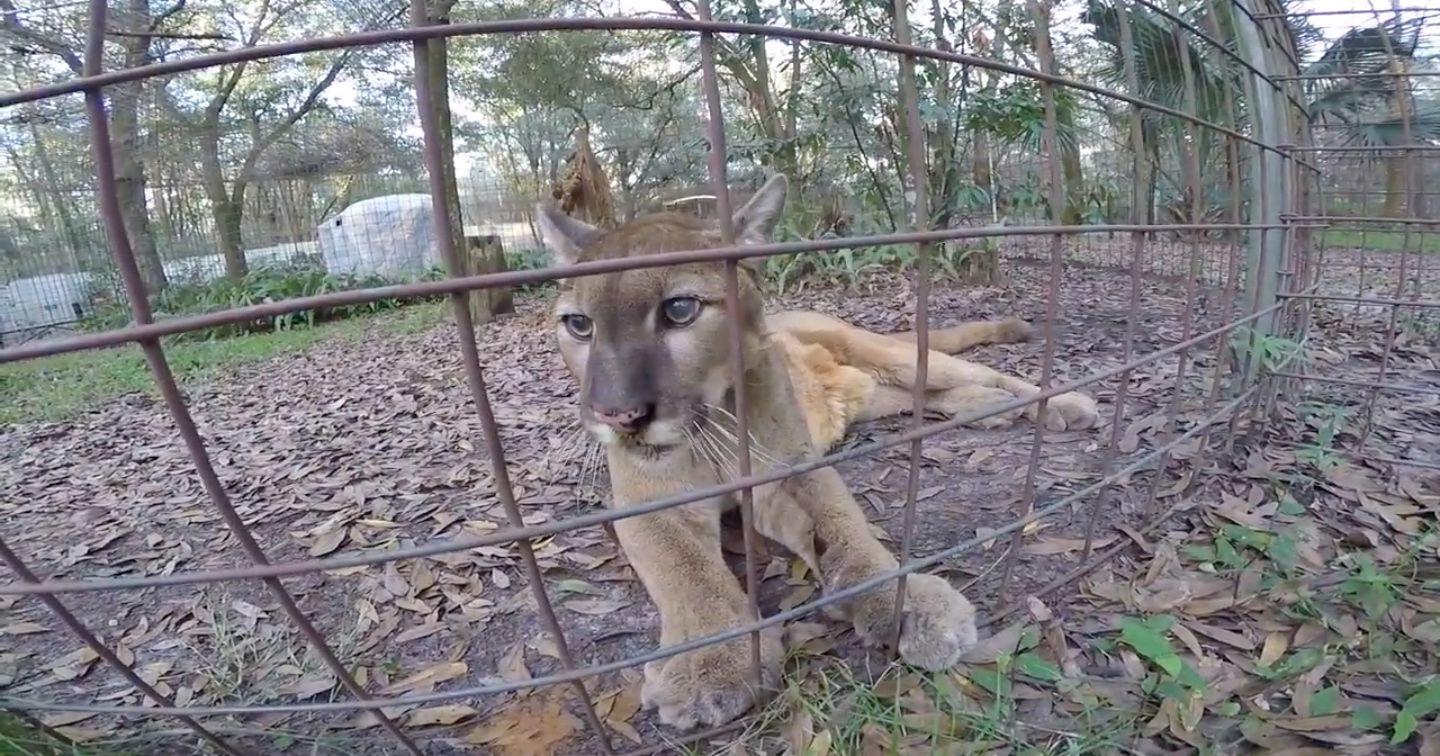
{"x":651,"y":353}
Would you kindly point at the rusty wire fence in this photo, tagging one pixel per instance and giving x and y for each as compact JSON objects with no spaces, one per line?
{"x":1257,"y":263}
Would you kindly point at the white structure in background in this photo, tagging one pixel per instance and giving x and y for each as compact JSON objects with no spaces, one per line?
{"x":206,"y":268}
{"x":43,"y":301}
{"x":390,"y":235}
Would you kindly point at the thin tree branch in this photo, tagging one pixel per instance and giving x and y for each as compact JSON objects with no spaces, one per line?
{"x":10,"y":22}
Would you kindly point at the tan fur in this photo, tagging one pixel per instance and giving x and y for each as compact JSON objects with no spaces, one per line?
{"x":808,"y":378}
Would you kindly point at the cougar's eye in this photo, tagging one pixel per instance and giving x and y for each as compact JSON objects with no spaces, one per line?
{"x":680,"y":311}
{"x":579,"y":326}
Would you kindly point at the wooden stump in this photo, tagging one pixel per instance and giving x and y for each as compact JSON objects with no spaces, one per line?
{"x":486,"y":254}
{"x":979,"y":265}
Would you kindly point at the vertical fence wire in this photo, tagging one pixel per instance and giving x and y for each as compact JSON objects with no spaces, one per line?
{"x":1190,"y":155}
{"x":1289,"y":262}
{"x":425,"y":99}
{"x":1403,"y":105}
{"x":715,"y":130}
{"x":1050,"y":146}
{"x":1141,"y":160}
{"x":919,"y":204}
{"x":165,"y":380}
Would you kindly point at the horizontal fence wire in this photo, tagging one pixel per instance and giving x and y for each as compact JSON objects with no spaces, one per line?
{"x":511,"y":535}
{"x":1284,"y":283}
{"x":773,"y":620}
{"x":359,"y":39}
{"x":173,"y":326}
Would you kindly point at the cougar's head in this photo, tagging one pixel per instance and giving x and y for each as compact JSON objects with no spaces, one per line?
{"x":650,"y":347}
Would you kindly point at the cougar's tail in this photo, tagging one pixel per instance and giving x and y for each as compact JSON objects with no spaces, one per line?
{"x":959,"y":338}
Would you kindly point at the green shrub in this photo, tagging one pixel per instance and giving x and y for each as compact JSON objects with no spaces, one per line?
{"x":270,"y":283}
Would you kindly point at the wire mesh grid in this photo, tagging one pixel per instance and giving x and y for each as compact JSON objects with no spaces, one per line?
{"x":1262,"y":251}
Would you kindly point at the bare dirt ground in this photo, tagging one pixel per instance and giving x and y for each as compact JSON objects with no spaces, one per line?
{"x":370,"y":446}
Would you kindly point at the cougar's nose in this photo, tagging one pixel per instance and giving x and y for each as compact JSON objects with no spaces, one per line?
{"x":627,"y":420}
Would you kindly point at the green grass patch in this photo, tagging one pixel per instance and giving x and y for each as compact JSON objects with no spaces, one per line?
{"x":56,"y":388}
{"x":1380,"y":241}
{"x":20,"y":738}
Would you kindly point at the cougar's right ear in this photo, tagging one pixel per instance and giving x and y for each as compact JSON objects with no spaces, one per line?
{"x":563,"y":235}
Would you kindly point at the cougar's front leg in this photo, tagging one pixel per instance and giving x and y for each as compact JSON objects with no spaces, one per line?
{"x":938,"y":623}
{"x":676,"y":553}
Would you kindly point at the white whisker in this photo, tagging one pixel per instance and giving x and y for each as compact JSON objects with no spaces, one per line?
{"x":757,"y":449}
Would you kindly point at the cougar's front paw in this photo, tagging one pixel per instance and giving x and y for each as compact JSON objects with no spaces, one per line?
{"x":936,"y":626}
{"x":711,"y":685}
{"x":1071,"y":411}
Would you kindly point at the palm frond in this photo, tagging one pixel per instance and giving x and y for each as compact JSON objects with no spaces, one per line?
{"x":1389,"y":128}
{"x":1369,"y":49}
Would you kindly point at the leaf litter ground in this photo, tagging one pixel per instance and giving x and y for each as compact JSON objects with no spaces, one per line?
{"x":1285,"y":605}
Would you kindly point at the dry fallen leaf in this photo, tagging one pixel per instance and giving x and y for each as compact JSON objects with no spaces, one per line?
{"x":1276,"y":644}
{"x":820,"y":744}
{"x":67,"y":718}
{"x":22,"y":628}
{"x":595,"y":606}
{"x":1056,"y":545}
{"x":427,"y":678}
{"x":528,"y":727}
{"x":395,"y":584}
{"x":797,"y":596}
{"x":512,"y":666}
{"x":419,"y":631}
{"x":991,"y":648}
{"x":440,"y":715}
{"x":797,"y":634}
{"x":82,"y":734}
{"x":623,"y":708}
{"x":307,"y":687}
{"x":328,"y":542}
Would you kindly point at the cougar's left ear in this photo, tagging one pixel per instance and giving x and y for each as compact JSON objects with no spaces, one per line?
{"x":564,"y":235}
{"x":754,"y":222}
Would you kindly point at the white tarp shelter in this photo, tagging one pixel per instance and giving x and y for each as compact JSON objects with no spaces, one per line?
{"x":43,"y":300}
{"x":391,"y":236}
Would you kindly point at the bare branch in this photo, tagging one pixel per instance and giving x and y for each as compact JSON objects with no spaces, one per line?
{"x":165,"y":15}
{"x":10,"y":22}
{"x":153,"y":34}
{"x":312,"y":99}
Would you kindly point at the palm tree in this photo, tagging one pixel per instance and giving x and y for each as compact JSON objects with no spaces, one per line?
{"x":1160,"y":47}
{"x":1358,"y":88}
{"x":1014,"y":114}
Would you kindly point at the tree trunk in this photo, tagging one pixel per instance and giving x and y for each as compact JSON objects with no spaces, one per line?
{"x":1394,"y":186}
{"x":1074,"y":173}
{"x":227,"y":214}
{"x":486,"y":254}
{"x":1152,"y":183}
{"x":57,"y":198}
{"x":980,"y":160}
{"x":487,"y":303}
{"x":224,"y":212}
{"x":946,"y":168}
{"x":130,"y":183}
